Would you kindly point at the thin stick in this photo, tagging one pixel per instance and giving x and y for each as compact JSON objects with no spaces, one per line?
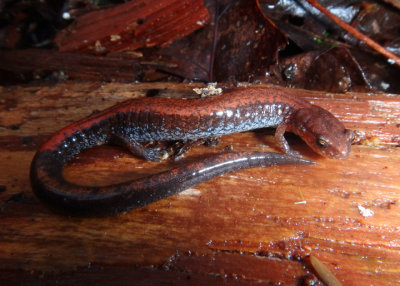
{"x":351,"y":30}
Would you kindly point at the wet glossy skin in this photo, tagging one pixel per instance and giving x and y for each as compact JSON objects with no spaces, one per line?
{"x":322,"y":132}
{"x":158,"y":119}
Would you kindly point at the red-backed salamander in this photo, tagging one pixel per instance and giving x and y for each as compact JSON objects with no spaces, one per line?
{"x":135,"y":121}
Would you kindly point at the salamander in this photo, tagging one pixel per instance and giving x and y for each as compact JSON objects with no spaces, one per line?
{"x":137,"y":121}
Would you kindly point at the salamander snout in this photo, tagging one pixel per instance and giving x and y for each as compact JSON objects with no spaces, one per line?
{"x":337,"y":146}
{"x":323,"y":132}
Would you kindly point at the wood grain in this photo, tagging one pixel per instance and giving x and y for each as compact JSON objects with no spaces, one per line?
{"x":133,"y":25}
{"x":254,"y":226}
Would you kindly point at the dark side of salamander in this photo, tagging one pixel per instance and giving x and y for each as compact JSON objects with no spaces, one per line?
{"x":136,"y":121}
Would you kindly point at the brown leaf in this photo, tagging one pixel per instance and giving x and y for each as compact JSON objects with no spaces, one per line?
{"x":248,"y":43}
{"x":239,"y":44}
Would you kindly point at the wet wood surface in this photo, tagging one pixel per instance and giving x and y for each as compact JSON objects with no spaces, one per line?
{"x":255,"y":226}
{"x":133,"y":25}
{"x":24,"y":65}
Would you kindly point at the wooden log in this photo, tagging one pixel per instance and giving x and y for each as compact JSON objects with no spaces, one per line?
{"x":133,"y":25}
{"x":248,"y":227}
{"x":35,"y":63}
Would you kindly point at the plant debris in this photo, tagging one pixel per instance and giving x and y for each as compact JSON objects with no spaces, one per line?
{"x":290,"y":43}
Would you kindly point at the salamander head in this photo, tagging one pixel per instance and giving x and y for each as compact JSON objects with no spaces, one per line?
{"x":323,"y":132}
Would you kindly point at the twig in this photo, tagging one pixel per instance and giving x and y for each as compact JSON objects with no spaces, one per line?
{"x":351,"y":30}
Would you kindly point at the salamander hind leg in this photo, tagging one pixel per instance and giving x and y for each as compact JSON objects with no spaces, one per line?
{"x":159,"y":150}
{"x":181,"y":147}
{"x":150,"y":151}
{"x":212,"y":141}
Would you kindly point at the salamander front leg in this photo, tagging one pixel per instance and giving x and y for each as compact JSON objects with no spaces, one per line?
{"x":283,"y":144}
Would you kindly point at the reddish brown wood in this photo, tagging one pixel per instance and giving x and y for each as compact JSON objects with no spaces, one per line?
{"x":243,"y":228}
{"x":132,"y":25}
{"x":35,"y":63}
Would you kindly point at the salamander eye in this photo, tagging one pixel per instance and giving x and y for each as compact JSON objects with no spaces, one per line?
{"x":322,"y":142}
